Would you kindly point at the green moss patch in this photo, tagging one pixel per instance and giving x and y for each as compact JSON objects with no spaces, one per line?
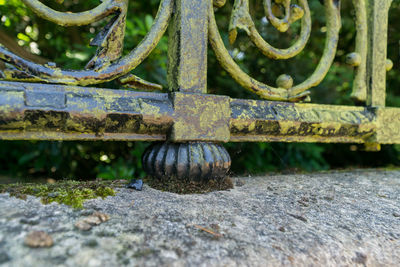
{"x":72,"y":193}
{"x":75,"y":193}
{"x":175,"y":185}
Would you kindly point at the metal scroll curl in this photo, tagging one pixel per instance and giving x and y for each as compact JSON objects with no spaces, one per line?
{"x":108,"y":63}
{"x":241,"y":18}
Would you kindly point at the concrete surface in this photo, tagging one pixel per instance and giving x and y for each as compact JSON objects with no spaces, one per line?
{"x":320,"y":219}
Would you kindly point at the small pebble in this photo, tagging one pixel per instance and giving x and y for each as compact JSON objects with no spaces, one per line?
{"x":83,"y":226}
{"x":93,"y":220}
{"x":135,"y":184}
{"x":38,"y":239}
{"x":102,"y":216}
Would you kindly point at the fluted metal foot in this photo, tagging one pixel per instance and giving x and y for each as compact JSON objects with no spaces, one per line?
{"x":196,"y":161}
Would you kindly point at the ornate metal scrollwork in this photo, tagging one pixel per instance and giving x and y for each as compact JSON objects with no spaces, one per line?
{"x":241,"y":19}
{"x":108,"y":63}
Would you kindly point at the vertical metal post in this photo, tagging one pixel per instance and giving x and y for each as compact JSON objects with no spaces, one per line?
{"x":198,"y":118}
{"x":206,"y":116}
{"x":377,"y":51}
{"x":188,"y":39}
{"x":377,"y":14}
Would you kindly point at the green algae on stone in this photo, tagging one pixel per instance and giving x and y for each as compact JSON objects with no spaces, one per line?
{"x":72,"y":193}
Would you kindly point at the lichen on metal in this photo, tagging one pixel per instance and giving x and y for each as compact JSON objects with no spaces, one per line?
{"x":253,"y":120}
{"x":388,"y":125}
{"x":38,"y":111}
{"x":377,"y":14}
{"x":106,"y":8}
{"x":187,"y":72}
{"x":358,"y":58}
{"x":207,"y":115}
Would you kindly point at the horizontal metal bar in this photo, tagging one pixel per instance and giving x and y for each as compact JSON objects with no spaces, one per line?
{"x":54,"y":112}
{"x":39,"y":111}
{"x":77,"y":136}
{"x":254,"y":120}
{"x":388,"y":125}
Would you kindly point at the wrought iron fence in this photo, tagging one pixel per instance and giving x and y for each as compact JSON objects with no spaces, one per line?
{"x":50,"y":103}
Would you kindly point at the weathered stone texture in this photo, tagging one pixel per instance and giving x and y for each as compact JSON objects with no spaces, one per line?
{"x":320,"y":219}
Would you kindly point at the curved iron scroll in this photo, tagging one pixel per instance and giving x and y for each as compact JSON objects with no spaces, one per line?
{"x":107,"y":64}
{"x":106,"y":8}
{"x":241,"y":19}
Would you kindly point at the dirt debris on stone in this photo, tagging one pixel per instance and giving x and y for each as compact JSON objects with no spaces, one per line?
{"x":92,"y":220}
{"x":102,"y":216}
{"x":83,"y":226}
{"x":214,"y":232}
{"x":179,"y":186}
{"x":299,"y":217}
{"x":38,"y":239}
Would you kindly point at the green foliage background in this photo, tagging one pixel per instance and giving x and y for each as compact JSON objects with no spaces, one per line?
{"x":68,"y":47}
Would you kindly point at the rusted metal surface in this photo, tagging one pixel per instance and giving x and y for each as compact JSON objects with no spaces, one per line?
{"x":35,"y":111}
{"x":200,"y":117}
{"x":106,"y":8}
{"x":268,"y":121}
{"x":378,"y":12}
{"x":185,"y":116}
{"x":388,"y":125}
{"x":358,"y":59}
{"x":39,"y":111}
{"x":187,"y":54}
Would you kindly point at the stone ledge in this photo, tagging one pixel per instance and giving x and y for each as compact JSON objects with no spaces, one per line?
{"x":320,"y":219}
